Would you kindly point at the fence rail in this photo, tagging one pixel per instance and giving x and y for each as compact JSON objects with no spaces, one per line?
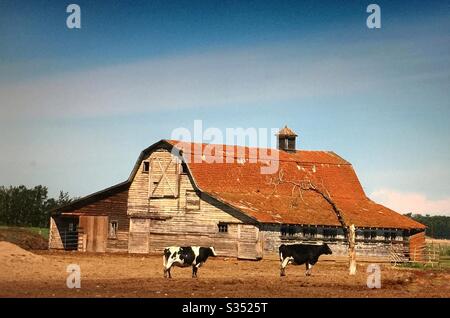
{"x":427,"y":254}
{"x":69,"y":239}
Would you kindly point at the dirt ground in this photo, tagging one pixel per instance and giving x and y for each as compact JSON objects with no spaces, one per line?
{"x":24,"y":274}
{"x":23,"y":237}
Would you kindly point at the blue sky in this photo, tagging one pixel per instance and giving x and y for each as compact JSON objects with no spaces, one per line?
{"x":77,"y":106}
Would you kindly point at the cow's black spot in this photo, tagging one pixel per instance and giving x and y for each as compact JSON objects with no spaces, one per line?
{"x":203,"y":254}
{"x":302,"y":253}
{"x":187,"y":255}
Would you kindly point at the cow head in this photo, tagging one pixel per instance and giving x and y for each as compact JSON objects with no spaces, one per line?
{"x":326,"y":249}
{"x":212,"y":251}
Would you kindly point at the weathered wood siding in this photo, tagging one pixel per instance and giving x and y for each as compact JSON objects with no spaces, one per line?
{"x":417,"y":246}
{"x":96,"y":230}
{"x":376,"y":247}
{"x":54,"y":236}
{"x":178,"y":215}
{"x":113,"y":206}
{"x":249,"y":242}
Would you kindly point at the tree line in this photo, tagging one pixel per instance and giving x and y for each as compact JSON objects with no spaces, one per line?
{"x":22,"y":206}
{"x":438,"y":226}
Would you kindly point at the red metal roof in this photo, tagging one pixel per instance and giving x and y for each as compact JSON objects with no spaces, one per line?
{"x":242,"y":185}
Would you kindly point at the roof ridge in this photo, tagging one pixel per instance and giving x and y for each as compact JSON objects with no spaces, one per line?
{"x":235,"y":156}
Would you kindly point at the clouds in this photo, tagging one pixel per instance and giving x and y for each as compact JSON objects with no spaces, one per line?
{"x":357,"y":93}
{"x":406,"y":202}
{"x":210,"y":79}
{"x":253,"y":75}
{"x":322,"y":65}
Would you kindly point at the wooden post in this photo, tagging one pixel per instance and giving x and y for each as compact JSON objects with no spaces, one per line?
{"x":351,"y":249}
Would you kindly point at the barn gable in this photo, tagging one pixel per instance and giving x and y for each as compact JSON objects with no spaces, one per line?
{"x":165,"y":208}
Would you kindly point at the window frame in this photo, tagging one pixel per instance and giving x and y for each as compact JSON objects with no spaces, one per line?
{"x":221,"y":226}
{"x":146,"y":167}
{"x":191,"y":206}
{"x":110,"y":227}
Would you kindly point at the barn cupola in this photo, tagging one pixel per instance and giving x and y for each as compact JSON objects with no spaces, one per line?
{"x":286,"y":139}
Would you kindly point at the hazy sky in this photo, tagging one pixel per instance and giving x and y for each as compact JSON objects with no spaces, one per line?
{"x":77,"y":106}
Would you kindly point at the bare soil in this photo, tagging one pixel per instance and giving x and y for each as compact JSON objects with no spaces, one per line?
{"x":24,"y":274}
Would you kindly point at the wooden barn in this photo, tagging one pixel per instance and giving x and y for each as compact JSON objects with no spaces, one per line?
{"x":182,"y":193}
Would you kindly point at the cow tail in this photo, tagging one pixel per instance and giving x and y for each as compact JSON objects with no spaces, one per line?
{"x":165,"y":257}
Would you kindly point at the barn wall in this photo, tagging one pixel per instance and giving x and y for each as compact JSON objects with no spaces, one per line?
{"x":187,"y":218}
{"x":54,"y":237}
{"x":375,"y":247}
{"x":115,"y":207}
{"x":59,"y":235}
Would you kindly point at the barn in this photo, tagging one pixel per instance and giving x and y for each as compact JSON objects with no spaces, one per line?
{"x":181,"y":193}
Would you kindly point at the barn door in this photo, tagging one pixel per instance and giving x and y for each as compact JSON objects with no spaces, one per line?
{"x":96,"y":230}
{"x":249,"y":242}
{"x":163,"y":180}
{"x":139,"y":236}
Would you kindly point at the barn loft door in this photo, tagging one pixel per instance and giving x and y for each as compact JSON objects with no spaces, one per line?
{"x":249,"y":242}
{"x":96,"y":230}
{"x":163,"y":180}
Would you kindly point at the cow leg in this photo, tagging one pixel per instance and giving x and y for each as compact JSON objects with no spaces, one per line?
{"x":283,"y":265}
{"x":195,"y":269}
{"x":167,"y":268}
{"x":308,"y":269}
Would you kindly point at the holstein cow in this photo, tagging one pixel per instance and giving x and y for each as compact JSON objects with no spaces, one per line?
{"x":186,"y":256}
{"x":298,"y":254}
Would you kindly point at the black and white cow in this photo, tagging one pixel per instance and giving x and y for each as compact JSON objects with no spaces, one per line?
{"x":186,"y":256}
{"x":298,"y":254}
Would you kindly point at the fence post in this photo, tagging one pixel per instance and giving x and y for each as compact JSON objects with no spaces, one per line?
{"x":351,"y":250}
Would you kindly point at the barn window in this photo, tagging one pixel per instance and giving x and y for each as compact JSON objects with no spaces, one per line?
{"x":192,"y":200}
{"x":113,"y":225}
{"x":330,"y":233}
{"x":287,"y":230}
{"x":390,"y":236}
{"x":223,"y":227}
{"x":309,"y":232}
{"x":146,"y":167}
{"x":370,"y":235}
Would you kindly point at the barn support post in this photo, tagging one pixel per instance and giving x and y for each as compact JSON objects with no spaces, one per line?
{"x":351,"y":250}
